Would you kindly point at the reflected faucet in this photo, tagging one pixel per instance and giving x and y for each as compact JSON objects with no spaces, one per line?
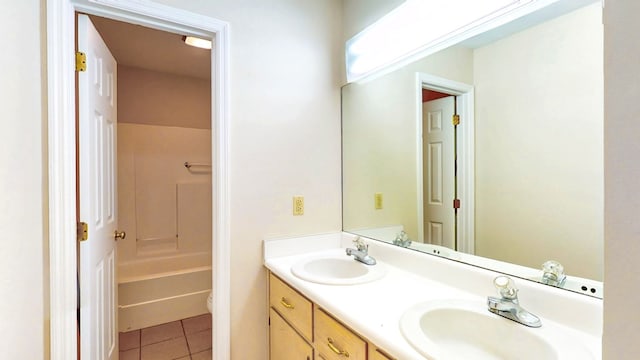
{"x":553,"y":274}
{"x":402,"y":239}
{"x":361,"y":252}
{"x":508,"y":305}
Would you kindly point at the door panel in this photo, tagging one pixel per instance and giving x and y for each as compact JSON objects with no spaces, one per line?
{"x":97,"y":175}
{"x":438,"y":170}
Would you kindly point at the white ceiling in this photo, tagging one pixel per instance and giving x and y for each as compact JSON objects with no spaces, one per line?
{"x":146,"y":48}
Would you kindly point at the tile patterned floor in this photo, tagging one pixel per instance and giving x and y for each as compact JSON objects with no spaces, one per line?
{"x":186,"y":339}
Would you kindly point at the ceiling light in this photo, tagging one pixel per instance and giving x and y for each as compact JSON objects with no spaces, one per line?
{"x":420,"y":27}
{"x":197,"y":42}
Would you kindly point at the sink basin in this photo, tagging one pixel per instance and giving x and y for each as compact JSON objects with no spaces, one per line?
{"x":456,"y":329}
{"x":337,"y":270}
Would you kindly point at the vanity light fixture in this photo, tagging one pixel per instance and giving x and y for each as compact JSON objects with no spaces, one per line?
{"x":197,"y":42}
{"x":421,"y":27}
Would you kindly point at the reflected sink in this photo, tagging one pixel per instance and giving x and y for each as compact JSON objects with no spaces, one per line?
{"x":337,"y":270}
{"x":458,"y":329}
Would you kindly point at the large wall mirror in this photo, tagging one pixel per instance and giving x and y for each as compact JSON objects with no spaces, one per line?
{"x":518,"y":182}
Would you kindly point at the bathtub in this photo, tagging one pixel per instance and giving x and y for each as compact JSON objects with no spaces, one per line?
{"x":158,"y":290}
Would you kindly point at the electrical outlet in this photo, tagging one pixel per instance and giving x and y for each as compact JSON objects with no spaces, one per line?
{"x":298,"y":205}
{"x":377,"y":202}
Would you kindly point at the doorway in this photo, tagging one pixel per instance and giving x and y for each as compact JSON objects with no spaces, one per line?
{"x":464,"y":149}
{"x":62,"y":184}
{"x":439,"y":168}
{"x":163,"y":190}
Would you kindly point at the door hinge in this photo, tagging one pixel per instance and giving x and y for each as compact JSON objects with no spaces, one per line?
{"x":456,"y":203}
{"x":83,"y":231}
{"x":456,"y":120}
{"x":81,"y":61}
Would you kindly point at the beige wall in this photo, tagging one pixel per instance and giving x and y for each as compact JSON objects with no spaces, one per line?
{"x":539,"y":134}
{"x":286,"y":61}
{"x":381,"y":146}
{"x":23,"y":203}
{"x":155,"y":98}
{"x":622,"y":172}
{"x":358,"y":14}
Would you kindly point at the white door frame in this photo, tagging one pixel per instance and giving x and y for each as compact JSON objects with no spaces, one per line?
{"x":466,"y":155}
{"x":62,"y":156}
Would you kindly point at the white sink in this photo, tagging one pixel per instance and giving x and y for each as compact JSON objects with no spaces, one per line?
{"x":337,"y":270}
{"x":462,"y":330}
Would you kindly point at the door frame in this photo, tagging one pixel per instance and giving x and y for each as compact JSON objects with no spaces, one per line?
{"x":466,"y":155}
{"x":61,"y":113}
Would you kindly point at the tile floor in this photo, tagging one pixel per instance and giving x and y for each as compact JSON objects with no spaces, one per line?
{"x":186,"y":339}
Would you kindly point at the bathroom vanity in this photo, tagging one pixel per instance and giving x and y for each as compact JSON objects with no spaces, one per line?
{"x":298,"y":326}
{"x":414,"y":306}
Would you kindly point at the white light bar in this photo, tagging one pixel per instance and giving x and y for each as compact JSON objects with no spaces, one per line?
{"x":419,"y":25}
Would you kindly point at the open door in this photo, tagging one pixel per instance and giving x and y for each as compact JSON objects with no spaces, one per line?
{"x":97,"y":111}
{"x":438,"y":169}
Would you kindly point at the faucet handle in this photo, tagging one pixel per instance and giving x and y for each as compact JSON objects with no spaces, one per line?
{"x":506,"y":287}
{"x":553,"y":273}
{"x":359,"y":243}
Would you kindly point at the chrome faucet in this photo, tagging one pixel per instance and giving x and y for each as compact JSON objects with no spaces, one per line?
{"x":402,"y":239}
{"x":553,"y":273}
{"x":508,"y":306}
{"x":361,"y":252}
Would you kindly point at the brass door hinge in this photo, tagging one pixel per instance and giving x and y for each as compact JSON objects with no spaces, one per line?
{"x":456,"y":203}
{"x":456,"y":120}
{"x":83,"y":231}
{"x":81,"y":61}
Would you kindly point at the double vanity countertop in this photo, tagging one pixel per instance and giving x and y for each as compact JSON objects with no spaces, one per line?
{"x":374,"y":309}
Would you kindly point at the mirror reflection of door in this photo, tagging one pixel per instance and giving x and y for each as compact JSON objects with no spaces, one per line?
{"x":438,"y":146}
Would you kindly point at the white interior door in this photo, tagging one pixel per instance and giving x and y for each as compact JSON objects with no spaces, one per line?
{"x":97,"y":172}
{"x":438,"y":171}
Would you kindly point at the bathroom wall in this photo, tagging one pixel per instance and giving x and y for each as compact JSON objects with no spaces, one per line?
{"x":545,"y":153}
{"x":286,"y":62}
{"x":622,"y":171}
{"x":164,"y":207}
{"x":358,"y":14}
{"x":386,"y":108}
{"x":155,"y":98}
{"x":164,"y":120}
{"x":23,"y":170}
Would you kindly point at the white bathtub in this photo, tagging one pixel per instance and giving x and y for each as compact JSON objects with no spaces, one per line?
{"x":159,"y":290}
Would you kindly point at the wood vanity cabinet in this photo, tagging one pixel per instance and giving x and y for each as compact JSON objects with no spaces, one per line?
{"x":377,"y":354}
{"x":284,"y":342}
{"x":300,"y":330}
{"x":334,"y":341}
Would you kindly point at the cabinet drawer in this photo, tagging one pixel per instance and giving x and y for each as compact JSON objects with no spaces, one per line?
{"x":336,"y":342}
{"x":295,"y":308}
{"x":284,"y":342}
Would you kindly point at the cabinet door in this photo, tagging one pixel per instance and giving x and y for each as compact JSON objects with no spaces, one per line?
{"x":284,"y":342}
{"x":377,"y":354}
{"x":336,"y":342}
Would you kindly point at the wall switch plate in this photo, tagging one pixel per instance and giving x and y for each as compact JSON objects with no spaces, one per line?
{"x":298,"y":205}
{"x":377,"y":201}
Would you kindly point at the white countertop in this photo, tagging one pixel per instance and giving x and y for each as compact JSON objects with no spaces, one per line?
{"x":374,"y":309}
